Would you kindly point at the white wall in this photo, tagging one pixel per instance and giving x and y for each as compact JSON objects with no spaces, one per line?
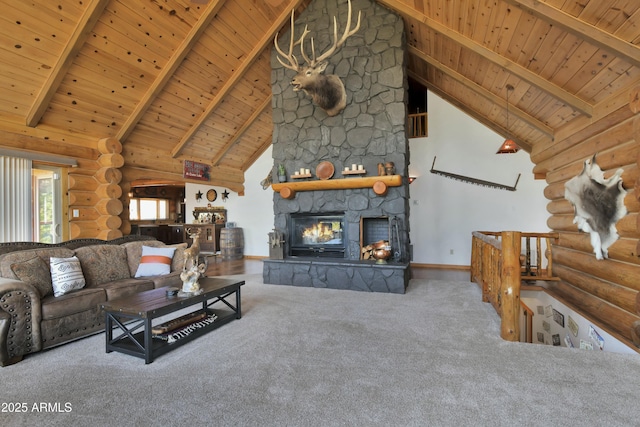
{"x":253,"y":211}
{"x":584,"y":335}
{"x":445,"y":212}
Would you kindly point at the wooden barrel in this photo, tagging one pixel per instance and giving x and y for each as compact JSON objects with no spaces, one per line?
{"x":231,"y":243}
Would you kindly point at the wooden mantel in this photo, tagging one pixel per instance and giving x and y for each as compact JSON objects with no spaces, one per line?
{"x":379,"y":185}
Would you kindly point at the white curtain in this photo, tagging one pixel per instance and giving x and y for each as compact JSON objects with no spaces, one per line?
{"x":16,"y":220}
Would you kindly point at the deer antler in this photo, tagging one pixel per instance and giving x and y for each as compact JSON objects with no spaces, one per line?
{"x":336,"y":43}
{"x":293,"y":62}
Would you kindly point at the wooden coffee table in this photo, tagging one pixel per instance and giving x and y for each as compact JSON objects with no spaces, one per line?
{"x":132,"y":317}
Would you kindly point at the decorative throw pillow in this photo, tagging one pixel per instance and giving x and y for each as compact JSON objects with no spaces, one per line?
{"x":66,"y":275}
{"x":35,"y":272}
{"x":155,"y":261}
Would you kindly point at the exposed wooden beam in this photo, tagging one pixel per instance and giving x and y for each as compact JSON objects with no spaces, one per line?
{"x":216,"y":159}
{"x":86,"y":23}
{"x":156,"y":182}
{"x":237,"y":75}
{"x":532,"y":121}
{"x":131,"y":174}
{"x":169,"y":69}
{"x":516,"y":69}
{"x":591,"y":34}
{"x":40,"y":145}
{"x":476,"y":115}
{"x":45,"y":132}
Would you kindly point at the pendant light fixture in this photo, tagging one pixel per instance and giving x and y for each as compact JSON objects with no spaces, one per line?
{"x":508,"y":146}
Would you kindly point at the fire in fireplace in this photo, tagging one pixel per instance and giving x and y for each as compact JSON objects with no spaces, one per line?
{"x":317,"y":235}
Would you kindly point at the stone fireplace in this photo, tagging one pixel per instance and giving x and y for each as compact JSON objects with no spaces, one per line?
{"x":370,"y":131}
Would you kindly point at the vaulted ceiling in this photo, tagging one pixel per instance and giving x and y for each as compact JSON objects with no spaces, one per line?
{"x":177,"y":80}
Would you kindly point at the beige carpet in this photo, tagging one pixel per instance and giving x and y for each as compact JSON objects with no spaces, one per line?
{"x":320,"y":357}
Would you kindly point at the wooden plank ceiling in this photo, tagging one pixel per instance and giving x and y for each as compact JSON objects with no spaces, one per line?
{"x":190,"y":79}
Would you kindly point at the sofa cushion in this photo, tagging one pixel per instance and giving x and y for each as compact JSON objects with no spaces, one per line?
{"x":15,"y":257}
{"x":66,"y":275}
{"x":134,"y":253}
{"x":126,"y":287}
{"x":155,"y":261}
{"x":103,"y":263}
{"x":71,"y":303}
{"x":35,"y":272}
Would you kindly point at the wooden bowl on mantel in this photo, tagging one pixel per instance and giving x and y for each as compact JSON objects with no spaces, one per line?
{"x":325,"y":170}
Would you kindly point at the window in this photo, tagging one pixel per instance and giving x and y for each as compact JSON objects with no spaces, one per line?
{"x":148,"y":209}
{"x":32,"y":197}
{"x":15,"y":193}
{"x":47,"y":210}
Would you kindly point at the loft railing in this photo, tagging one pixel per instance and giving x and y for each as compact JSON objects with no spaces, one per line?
{"x":418,"y":125}
{"x":498,"y":266}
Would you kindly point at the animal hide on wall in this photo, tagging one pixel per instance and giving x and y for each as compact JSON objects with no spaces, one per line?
{"x":598,"y":204}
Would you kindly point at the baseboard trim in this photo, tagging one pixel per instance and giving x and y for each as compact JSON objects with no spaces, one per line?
{"x":441,"y":266}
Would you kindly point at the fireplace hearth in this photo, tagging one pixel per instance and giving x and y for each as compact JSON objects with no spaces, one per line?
{"x":317,"y":235}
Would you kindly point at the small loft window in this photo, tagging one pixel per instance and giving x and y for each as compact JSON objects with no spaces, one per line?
{"x":418,"y":125}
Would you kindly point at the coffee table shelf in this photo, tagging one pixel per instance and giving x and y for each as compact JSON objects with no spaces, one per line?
{"x":132,"y":318}
{"x":160,"y":347}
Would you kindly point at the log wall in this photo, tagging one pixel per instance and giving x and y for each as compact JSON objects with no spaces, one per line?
{"x":92,"y":190}
{"x":606,"y":290}
{"x":95,"y":194}
{"x":97,"y":189}
{"x":93,"y":187}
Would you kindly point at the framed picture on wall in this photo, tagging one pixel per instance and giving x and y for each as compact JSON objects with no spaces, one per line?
{"x":558,"y":317}
{"x":195,"y":170}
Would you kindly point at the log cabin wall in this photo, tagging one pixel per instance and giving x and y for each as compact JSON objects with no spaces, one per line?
{"x":93,"y":187}
{"x":95,"y":195}
{"x":605,"y":290}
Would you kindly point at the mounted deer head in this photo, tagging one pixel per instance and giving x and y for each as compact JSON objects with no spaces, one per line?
{"x":327,"y":91}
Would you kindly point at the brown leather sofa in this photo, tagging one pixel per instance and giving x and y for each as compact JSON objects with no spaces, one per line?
{"x":33,"y":319}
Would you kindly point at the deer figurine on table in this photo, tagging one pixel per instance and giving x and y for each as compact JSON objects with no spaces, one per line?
{"x":192,"y":253}
{"x":327,"y":91}
{"x":191,"y":271}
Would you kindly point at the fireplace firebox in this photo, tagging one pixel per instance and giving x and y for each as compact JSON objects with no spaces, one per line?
{"x":317,"y":235}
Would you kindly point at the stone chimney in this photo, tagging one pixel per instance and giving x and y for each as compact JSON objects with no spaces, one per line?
{"x":369,"y":131}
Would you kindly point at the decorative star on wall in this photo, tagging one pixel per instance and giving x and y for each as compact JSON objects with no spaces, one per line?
{"x":225,"y":195}
{"x":199,"y":195}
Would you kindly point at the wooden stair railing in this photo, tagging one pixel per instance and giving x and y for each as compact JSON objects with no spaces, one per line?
{"x":498,"y":268}
{"x":418,"y":125}
{"x":537,"y":272}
